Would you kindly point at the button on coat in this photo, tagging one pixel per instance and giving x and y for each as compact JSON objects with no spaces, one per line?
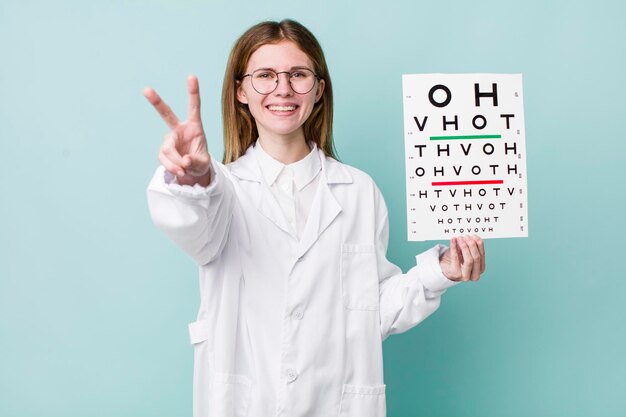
{"x":298,"y":314}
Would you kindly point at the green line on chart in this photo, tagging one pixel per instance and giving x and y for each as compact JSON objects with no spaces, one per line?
{"x":466,"y":137}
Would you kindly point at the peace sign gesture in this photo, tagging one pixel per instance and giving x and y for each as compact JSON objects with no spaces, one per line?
{"x":465,"y":260}
{"x":184,"y":150}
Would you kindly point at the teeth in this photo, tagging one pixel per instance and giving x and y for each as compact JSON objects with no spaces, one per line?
{"x":282,"y":108}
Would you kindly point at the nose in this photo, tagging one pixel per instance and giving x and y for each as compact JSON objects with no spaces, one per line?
{"x":284,"y":85}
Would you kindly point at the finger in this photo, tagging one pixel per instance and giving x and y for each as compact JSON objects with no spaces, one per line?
{"x":468,"y":260}
{"x":481,"y":248}
{"x":186,"y":161}
{"x":164,"y":110}
{"x":454,"y":254}
{"x":475,"y":253}
{"x":171,"y":167}
{"x":451,"y":264}
{"x":170,"y":148}
{"x":168,"y":154}
{"x":193,"y":111}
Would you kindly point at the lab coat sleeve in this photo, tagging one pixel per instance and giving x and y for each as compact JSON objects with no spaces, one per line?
{"x":406,"y":299}
{"x":196,"y":218}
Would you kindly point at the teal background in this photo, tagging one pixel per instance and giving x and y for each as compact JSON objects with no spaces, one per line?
{"x":94,"y":301}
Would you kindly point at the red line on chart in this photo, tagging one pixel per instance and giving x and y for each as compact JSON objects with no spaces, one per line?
{"x":486,"y":182}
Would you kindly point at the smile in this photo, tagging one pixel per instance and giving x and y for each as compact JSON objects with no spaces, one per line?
{"x":281,"y":108}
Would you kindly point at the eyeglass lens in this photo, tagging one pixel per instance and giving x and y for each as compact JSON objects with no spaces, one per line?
{"x":266,"y":81}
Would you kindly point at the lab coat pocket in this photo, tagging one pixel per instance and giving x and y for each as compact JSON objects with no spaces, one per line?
{"x":359,"y":277}
{"x":216,"y":394}
{"x":363,"y":401}
{"x":229,"y":395}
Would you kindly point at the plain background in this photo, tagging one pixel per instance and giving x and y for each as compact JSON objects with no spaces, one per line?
{"x":94,"y":301}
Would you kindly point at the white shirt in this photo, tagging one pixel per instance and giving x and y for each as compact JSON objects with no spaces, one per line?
{"x":293,"y":185}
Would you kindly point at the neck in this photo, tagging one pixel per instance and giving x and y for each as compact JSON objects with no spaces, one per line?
{"x":285,"y":149}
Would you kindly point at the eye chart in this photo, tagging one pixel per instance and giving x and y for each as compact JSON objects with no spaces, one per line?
{"x":465,"y":156}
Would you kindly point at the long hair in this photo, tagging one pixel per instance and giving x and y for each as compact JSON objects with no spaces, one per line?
{"x":240,"y":129}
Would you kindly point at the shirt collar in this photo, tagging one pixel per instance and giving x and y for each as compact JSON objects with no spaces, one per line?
{"x":304,"y":170}
{"x":270,"y":168}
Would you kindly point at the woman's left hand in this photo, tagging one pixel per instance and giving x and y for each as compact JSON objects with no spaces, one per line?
{"x":465,"y":260}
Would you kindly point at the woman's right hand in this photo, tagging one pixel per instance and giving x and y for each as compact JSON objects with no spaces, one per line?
{"x":184,"y":150}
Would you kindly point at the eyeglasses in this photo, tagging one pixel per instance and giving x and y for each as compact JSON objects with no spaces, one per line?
{"x":265,"y":81}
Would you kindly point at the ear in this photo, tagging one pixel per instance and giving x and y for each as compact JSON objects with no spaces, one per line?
{"x":320,"y":90}
{"x":241,"y":94}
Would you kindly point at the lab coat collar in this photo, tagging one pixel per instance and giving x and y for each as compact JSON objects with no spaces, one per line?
{"x":270,"y":167}
{"x":303,"y":170}
{"x":247,"y":168}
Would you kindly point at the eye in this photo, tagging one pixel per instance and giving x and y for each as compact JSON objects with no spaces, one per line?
{"x":264,"y":75}
{"x":298,"y":74}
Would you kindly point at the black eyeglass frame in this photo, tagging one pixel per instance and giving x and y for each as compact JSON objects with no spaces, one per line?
{"x":317,"y":77}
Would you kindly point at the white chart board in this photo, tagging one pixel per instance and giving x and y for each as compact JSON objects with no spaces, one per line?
{"x":465,"y":153}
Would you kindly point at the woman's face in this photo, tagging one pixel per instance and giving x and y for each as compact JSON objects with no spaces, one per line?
{"x":280,"y":114}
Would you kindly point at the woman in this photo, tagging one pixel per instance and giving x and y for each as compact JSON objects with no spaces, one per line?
{"x":296,"y":292}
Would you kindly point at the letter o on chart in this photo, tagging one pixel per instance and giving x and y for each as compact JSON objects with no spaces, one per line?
{"x":439,"y":87}
{"x":482,"y":124}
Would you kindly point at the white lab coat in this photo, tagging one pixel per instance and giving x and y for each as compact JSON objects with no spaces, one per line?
{"x":286,"y":327}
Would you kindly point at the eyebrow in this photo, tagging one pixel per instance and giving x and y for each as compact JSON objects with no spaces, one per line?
{"x":291,"y":69}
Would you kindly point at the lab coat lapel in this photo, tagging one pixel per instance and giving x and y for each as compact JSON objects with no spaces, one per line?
{"x":325,"y":207}
{"x":247,"y":168}
{"x":268,"y":206}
